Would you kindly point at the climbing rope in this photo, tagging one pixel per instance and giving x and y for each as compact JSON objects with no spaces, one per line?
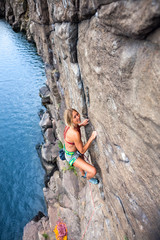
{"x":93,"y":211}
{"x":61,"y":229}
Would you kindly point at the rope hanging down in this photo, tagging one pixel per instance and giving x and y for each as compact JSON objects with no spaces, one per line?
{"x":93,"y":211}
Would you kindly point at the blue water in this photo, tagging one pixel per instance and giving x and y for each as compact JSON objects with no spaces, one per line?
{"x":21,"y":175}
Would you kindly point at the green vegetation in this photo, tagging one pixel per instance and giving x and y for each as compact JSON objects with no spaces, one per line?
{"x":60,"y":145}
{"x":126,"y":238}
{"x":45,"y":235}
{"x":70,"y":168}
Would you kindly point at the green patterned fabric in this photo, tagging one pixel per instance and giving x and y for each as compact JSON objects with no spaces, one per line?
{"x":71,"y":157}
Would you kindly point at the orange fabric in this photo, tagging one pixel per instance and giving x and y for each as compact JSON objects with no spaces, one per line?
{"x":60,"y":224}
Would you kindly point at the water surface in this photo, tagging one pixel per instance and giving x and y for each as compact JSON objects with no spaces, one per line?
{"x":21,"y":175}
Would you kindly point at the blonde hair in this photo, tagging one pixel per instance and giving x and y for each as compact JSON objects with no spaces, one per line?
{"x":68,"y":116}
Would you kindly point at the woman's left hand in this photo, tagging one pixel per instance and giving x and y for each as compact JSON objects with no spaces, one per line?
{"x":85,"y":122}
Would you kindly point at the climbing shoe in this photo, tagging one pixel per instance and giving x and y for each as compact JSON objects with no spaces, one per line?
{"x":94,"y":180}
{"x":85,"y":175}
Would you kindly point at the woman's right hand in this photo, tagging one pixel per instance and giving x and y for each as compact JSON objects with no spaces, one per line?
{"x":94,"y":135}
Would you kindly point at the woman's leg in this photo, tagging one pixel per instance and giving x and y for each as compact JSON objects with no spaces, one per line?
{"x":84,"y":166}
{"x":81,"y":170}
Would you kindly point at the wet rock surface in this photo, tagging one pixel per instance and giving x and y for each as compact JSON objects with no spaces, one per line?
{"x":102,"y":58}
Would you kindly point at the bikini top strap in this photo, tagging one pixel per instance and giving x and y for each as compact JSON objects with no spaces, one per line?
{"x":67,"y":128}
{"x":65,"y":131}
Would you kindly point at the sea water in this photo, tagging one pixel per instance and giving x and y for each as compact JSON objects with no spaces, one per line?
{"x":21,"y":174}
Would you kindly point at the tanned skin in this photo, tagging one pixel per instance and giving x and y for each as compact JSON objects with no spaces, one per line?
{"x":73,"y":136}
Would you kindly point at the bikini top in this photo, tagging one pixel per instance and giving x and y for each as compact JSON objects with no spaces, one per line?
{"x":66,"y":130}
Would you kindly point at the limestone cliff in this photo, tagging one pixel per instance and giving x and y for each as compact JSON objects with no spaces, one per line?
{"x":102,"y":58}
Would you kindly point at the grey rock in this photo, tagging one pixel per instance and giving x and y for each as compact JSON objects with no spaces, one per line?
{"x":67,"y":35}
{"x":155,"y":37}
{"x":44,"y":93}
{"x":88,"y":8}
{"x":2,"y":9}
{"x":125,"y":72}
{"x":38,"y":11}
{"x":120,"y":18}
{"x":38,"y":33}
{"x":65,"y":10}
{"x":35,"y":230}
{"x":45,"y":121}
{"x":16,"y":13}
{"x":107,"y":56}
{"x":49,"y":152}
{"x":49,"y":136}
{"x":38,"y":216}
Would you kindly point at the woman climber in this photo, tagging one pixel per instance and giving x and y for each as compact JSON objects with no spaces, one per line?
{"x":74,"y":148}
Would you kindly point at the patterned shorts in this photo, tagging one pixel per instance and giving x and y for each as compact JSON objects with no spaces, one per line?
{"x":71,"y":158}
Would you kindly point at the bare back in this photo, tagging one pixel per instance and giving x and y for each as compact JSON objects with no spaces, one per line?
{"x":70,"y":137}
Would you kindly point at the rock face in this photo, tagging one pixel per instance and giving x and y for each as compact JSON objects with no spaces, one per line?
{"x":16,"y":13}
{"x":102,"y":58}
{"x":2,"y":9}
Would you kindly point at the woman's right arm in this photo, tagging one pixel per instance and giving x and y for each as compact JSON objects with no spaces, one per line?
{"x":78,"y":142}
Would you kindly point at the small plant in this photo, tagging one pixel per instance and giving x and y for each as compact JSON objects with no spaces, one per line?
{"x":70,"y":168}
{"x":59,"y":105}
{"x":126,"y":238}
{"x":76,"y":213}
{"x":45,"y":235}
{"x":60,"y":145}
{"x":73,"y":169}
